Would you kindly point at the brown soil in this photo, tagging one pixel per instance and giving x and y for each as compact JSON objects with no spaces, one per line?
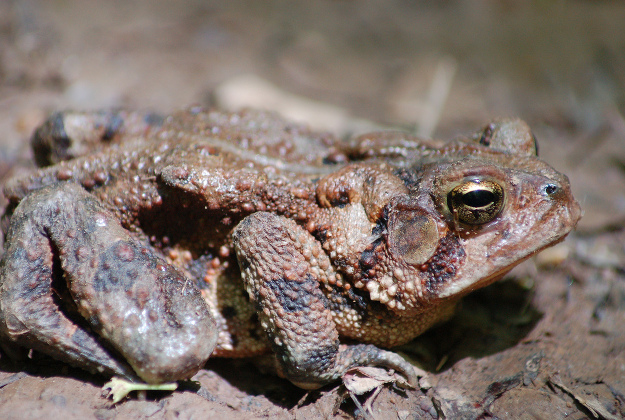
{"x":547,"y":342}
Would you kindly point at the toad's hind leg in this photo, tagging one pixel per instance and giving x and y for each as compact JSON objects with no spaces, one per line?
{"x":282,"y":266}
{"x":141,"y":306}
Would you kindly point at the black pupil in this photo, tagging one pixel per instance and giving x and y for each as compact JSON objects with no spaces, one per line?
{"x":478,"y":198}
{"x":551,"y":189}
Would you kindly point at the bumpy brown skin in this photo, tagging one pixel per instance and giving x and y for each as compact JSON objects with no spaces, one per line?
{"x":164,"y":241}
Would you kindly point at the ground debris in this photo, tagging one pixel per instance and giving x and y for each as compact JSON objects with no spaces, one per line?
{"x":496,"y":389}
{"x":592,"y":405}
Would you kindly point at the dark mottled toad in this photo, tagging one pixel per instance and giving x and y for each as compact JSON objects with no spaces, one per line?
{"x":145,"y":245}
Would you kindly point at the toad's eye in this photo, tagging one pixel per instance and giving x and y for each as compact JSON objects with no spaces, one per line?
{"x":476,"y":202}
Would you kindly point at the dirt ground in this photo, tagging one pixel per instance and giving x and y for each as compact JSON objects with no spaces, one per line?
{"x":547,"y":342}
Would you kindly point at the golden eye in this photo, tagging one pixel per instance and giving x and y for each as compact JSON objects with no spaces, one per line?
{"x":476,"y":202}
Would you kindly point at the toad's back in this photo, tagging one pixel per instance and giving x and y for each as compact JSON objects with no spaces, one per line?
{"x":145,"y":168}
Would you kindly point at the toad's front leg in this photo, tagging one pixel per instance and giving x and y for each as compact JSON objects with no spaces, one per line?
{"x":140,"y":306}
{"x":283,"y":266}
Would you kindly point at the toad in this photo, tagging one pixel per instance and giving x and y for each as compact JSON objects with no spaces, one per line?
{"x":143,"y":245}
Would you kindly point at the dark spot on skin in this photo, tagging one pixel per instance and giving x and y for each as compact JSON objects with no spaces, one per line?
{"x":411,"y":177}
{"x":310,"y":363}
{"x":320,"y":356}
{"x":340,"y":264}
{"x":370,"y":257}
{"x":381,"y":224}
{"x":120,"y":265}
{"x":357,"y":297}
{"x":340,"y":201}
{"x":367,"y":259}
{"x":295,"y":296}
{"x":371,"y":312}
{"x":399,"y":295}
{"x":321,"y":234}
{"x":442,"y":266}
{"x":229,"y":312}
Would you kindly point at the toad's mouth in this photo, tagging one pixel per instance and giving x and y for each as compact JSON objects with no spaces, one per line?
{"x":478,"y":272}
{"x":457,"y":289}
{"x":492,"y":278}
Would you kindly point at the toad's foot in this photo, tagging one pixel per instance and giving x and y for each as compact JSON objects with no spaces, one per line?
{"x":117,"y":388}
